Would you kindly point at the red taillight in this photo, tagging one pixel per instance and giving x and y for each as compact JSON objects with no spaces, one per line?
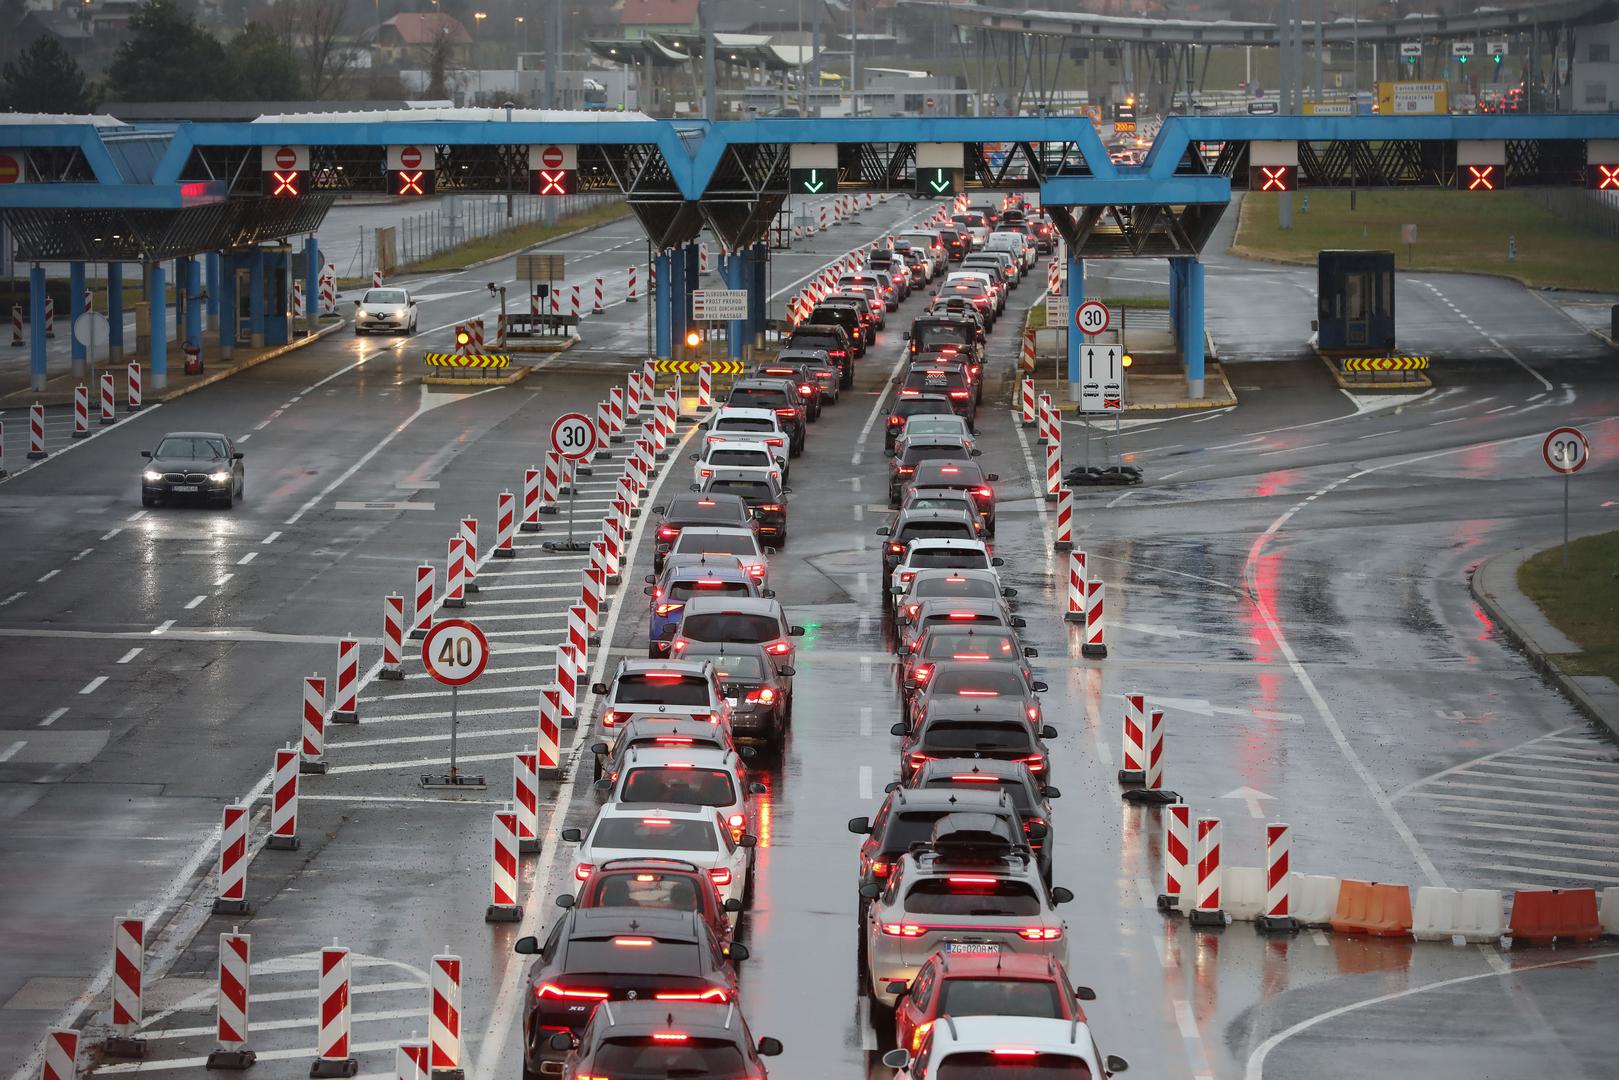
{"x":1033,"y":712}
{"x":911,"y":610}
{"x":770,"y":507}
{"x":1035,"y":762}
{"x":773,"y":442}
{"x":713,"y":993}
{"x":1040,"y":933}
{"x":763,"y":696}
{"x":679,"y":644}
{"x":896,"y":548}
{"x":756,"y":570}
{"x":778,"y":648}
{"x":552,"y":990}
{"x":786,"y":412}
{"x":895,"y":421}
{"x":1015,"y":1051}
{"x":668,"y":532}
{"x":984,"y":492}
{"x":720,"y":875}
{"x":666,"y":609}
{"x":906,"y":470}
{"x":806,"y":389}
{"x":633,"y":942}
{"x":583,"y":871}
{"x":972,"y":879}
{"x":979,"y":693}
{"x":670,"y":1036}
{"x":705,"y":473}
{"x":958,"y":394}
{"x":609,"y":718}
{"x":921,"y":674}
{"x":903,"y":929}
{"x":673,"y":740}
{"x":919,"y":759}
{"x":880,"y":869}
{"x":838,"y":353}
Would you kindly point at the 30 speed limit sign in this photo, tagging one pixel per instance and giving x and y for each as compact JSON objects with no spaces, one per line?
{"x":1566,"y":450}
{"x":455,"y":652}
{"x":573,"y":436}
{"x":1092,"y":317}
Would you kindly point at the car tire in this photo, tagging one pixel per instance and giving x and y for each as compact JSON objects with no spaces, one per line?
{"x":148,"y":500}
{"x":358,"y":332}
{"x":230,"y":501}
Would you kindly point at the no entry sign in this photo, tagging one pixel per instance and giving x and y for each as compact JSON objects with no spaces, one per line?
{"x":551,"y":157}
{"x":286,"y":158}
{"x":573,"y":435}
{"x":410,"y":157}
{"x":455,"y":652}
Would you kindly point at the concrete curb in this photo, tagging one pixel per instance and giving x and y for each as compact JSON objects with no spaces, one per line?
{"x":1494,"y":585}
{"x":517,"y":374}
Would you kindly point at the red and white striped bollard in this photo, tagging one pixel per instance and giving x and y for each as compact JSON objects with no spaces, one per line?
{"x":36,"y":433}
{"x":1076,"y":587}
{"x":1053,"y":469}
{"x":632,"y":293}
{"x":1095,"y":644}
{"x":422,"y":609}
{"x":503,"y":905}
{"x":109,"y":399}
{"x":591,"y":582}
{"x":284,"y":802}
{"x":332,"y":1039}
{"x":615,"y":413}
{"x":313,"y":748}
{"x":410,"y":1060}
{"x":1278,"y":913}
{"x":17,"y":341}
{"x":526,"y":798}
{"x":549,"y":745}
{"x":1206,"y":910}
{"x":132,"y":400}
{"x":444,"y":1014}
{"x":705,"y":388}
{"x":1134,"y":770}
{"x":597,"y":307}
{"x":566,"y":685}
{"x":81,"y":411}
{"x":455,"y":574}
{"x":579,"y":628}
{"x":604,"y":428}
{"x":531,"y":500}
{"x":1065,"y":518}
{"x":230,"y":1007}
{"x":393,"y":638}
{"x":50,"y":317}
{"x":61,"y":1055}
{"x":128,"y":991}
{"x":1177,"y":848}
{"x":505,"y":525}
{"x":376,"y":278}
{"x":232,"y":874}
{"x":551,"y":482}
{"x":346,"y":695}
{"x":1046,"y":423}
{"x":469,"y":554}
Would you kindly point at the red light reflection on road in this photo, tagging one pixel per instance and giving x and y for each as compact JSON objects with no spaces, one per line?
{"x":1274,"y":483}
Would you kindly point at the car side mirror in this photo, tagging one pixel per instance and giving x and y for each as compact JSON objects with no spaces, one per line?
{"x":997,"y":561}
{"x":906,"y":335}
{"x":871,"y":890}
{"x":598,"y":748}
{"x":733,"y":905}
{"x":736,"y":952}
{"x":660,"y":509}
{"x":888,"y":452}
{"x":526,"y":946}
{"x":651,"y":579}
{"x":860,"y":825}
{"x":237,"y":456}
{"x":1061,"y":895}
{"x":884,"y":531}
{"x":795,"y":631}
{"x":1030,"y":651}
{"x":992,"y":477}
{"x":603,"y":784}
{"x":787,"y":672}
{"x":1053,"y":793}
{"x":786,"y":491}
{"x":757,"y":788}
{"x":561,"y":1040}
{"x":769,"y":1047}
{"x":747,"y":840}
{"x":598,"y":688}
{"x":356,"y":302}
{"x":770,"y":551}
{"x":146,"y":453}
{"x":648,"y":589}
{"x":1039,"y":687}
{"x":1037,"y":830}
{"x":694,"y":487}
{"x":692,"y":457}
{"x":768,"y":594}
{"x":573,"y":836}
{"x":898,"y":987}
{"x":1116,"y":1064}
{"x":1084,"y":993}
{"x":898,"y":729}
{"x":1048,"y":732}
{"x":566,"y":901}
{"x":1019,"y":623}
{"x":977,"y":453}
{"x":897,"y":1059}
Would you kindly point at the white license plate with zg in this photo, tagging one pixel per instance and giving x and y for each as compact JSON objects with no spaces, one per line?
{"x":185,"y":487}
{"x":975,"y":948}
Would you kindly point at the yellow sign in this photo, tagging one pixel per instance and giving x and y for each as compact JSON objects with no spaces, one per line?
{"x":1412,"y":98}
{"x":1385,"y":363}
{"x":463,"y":360}
{"x":691,"y":367}
{"x":1124,"y":127}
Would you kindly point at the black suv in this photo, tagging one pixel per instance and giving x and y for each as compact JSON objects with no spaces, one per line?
{"x":800,"y":375}
{"x":847,"y":317}
{"x":832,"y":339}
{"x":1013,"y":777}
{"x":953,"y":383}
{"x":594,"y":955}
{"x":780,"y":396}
{"x":992,"y":728}
{"x":707,"y":510}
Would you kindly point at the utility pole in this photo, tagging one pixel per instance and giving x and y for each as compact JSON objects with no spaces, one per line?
{"x":854,"y":62}
{"x":710,"y":65}
{"x":553,"y":53}
{"x":1287,"y":91}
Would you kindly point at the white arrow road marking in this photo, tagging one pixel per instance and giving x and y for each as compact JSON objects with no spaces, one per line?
{"x":1253,"y":798}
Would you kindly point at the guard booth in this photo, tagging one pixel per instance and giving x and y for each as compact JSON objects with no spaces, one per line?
{"x":1355,"y":302}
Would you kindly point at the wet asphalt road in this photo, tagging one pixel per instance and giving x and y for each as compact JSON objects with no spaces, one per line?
{"x":1289,"y":585}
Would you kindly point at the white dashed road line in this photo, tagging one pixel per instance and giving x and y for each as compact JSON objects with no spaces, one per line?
{"x":93,"y":685}
{"x":196,"y":600}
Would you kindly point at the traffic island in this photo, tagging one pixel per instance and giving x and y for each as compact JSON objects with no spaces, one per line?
{"x":472,"y":370}
{"x":1378,"y":374}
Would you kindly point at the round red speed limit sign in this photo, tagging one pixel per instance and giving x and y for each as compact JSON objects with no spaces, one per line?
{"x":410,"y":157}
{"x":551,"y":157}
{"x":573,"y":435}
{"x":455,"y":652}
{"x":1566,"y":450}
{"x":1092,"y":317}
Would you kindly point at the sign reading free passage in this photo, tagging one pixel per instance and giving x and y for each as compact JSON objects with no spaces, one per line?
{"x":719,"y":305}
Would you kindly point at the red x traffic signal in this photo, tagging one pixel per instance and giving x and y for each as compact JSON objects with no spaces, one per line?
{"x":1273,"y":177}
{"x":1480,"y":178}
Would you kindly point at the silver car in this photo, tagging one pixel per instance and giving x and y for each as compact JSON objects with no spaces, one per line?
{"x":384,"y":310}
{"x":975,"y":888}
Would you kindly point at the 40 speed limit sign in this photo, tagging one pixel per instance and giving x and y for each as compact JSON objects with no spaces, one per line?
{"x":454,"y":652}
{"x":1092,"y":317}
{"x":573,"y":435}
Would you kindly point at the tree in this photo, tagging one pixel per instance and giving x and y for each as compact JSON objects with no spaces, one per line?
{"x":166,"y":56}
{"x":313,"y":31}
{"x":438,"y":57}
{"x":44,"y":79}
{"x":261,"y":66}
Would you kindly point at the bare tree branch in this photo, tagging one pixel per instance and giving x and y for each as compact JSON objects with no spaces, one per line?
{"x":314,"y":32}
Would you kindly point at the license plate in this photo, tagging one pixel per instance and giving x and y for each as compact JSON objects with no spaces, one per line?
{"x":731,"y":701}
{"x":972,"y":948}
{"x":184,"y":487}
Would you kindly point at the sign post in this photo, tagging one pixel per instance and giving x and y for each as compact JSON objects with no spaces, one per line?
{"x":1566,"y":451}
{"x":454,"y":652}
{"x":1101,"y":386}
{"x":573,"y":436}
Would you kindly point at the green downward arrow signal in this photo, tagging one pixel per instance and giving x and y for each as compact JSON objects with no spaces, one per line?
{"x":940,"y":181}
{"x":814,"y":183}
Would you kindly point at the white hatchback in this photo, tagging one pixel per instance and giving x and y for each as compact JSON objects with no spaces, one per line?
{"x":693,"y":834}
{"x":752,"y":458}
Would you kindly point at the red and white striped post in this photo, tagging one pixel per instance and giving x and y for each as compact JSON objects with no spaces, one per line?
{"x":702,"y":257}
{"x":230,"y":1007}
{"x":567,"y":687}
{"x":1065,"y":518}
{"x":598,"y":571}
{"x":505,"y":525}
{"x":549,"y":745}
{"x":376,"y":278}
{"x":530,"y":522}
{"x":610,"y":535}
{"x":332,"y":1040}
{"x":1026,"y":358}
{"x":346,"y":694}
{"x":1076,"y":587}
{"x":109,"y":399}
{"x":422,"y":608}
{"x":1053,"y":468}
{"x":393,"y":638}
{"x":410,"y":1060}
{"x":597,"y":307}
{"x":604,"y":428}
{"x":232,"y":898}
{"x":128,"y":973}
{"x":823,"y":217}
{"x":1206,"y":910}
{"x":551,"y":482}
{"x":526,"y":798}
{"x":579,"y":628}
{"x":1177,"y":846}
{"x":705,"y":387}
{"x":1134,"y":770}
{"x":284,"y":802}
{"x":61,"y":1055}
{"x":16,"y":326}
{"x":574,"y":292}
{"x":1278,"y":913}
{"x":469,"y":554}
{"x":36,"y":433}
{"x":50,"y":317}
{"x":1046,"y":424}
{"x":313,"y":749}
{"x":591,"y":583}
{"x":133,"y":399}
{"x":455,"y":574}
{"x":632,"y":394}
{"x":1095,"y":644}
{"x":503,"y":905}
{"x":444,"y":1015}
{"x":81,"y":411}
{"x":1155,"y":751}
{"x":615,"y":413}
{"x":632,"y":292}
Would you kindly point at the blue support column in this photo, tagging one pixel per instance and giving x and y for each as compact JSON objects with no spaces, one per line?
{"x":1192,"y":343}
{"x":212,"y":263}
{"x":1175,"y":283}
{"x":75,"y":308}
{"x":255,"y":299}
{"x":736,"y":270}
{"x":278,"y":298}
{"x":193,"y":288}
{"x":663,"y":305}
{"x":115,"y":313}
{"x":36,"y":328}
{"x":311,"y":283}
{"x":1076,"y":297}
{"x":679,"y":305}
{"x":159,"y":360}
{"x":227,"y":307}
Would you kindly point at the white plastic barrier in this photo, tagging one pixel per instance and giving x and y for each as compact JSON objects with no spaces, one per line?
{"x":1435,"y":913}
{"x":1482,"y":916}
{"x":1610,"y":912}
{"x":1315,"y":898}
{"x":1242,"y":893}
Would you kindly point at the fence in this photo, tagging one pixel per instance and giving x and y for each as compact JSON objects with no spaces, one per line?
{"x":1591,"y":211}
{"x":456,"y":219}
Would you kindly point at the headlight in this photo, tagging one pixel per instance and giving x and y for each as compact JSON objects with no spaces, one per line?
{"x":359,"y":313}
{"x":219,"y":477}
{"x":152,"y":475}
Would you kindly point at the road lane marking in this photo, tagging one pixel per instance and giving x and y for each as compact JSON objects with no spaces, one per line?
{"x":1292,"y":449}
{"x":83,"y":553}
{"x":163,"y":627}
{"x":130,"y":655}
{"x":1380,"y":434}
{"x":223,"y":579}
{"x":11,"y":750}
{"x":196,"y":600}
{"x":865,"y":721}
{"x":245,"y":559}
{"x":93,"y":685}
{"x":55,"y":715}
{"x":272,"y":538}
{"x":112,"y":533}
{"x":1500,"y":408}
{"x":865,"y":783}
{"x":47,"y":576}
{"x":136,"y":516}
{"x":13,"y":597}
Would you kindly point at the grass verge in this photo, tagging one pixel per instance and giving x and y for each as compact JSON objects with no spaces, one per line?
{"x":1582,"y":601}
{"x":1456,"y":230}
{"x":525,"y":236}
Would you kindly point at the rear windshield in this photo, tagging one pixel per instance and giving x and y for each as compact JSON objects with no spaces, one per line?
{"x":948,"y":476}
{"x":683,"y":787}
{"x":739,"y":457}
{"x":685,"y":590}
{"x":659,"y":688}
{"x":689,"y":508}
{"x":750,"y":490}
{"x":946,"y":452}
{"x":731,"y":668}
{"x":757,"y":399}
{"x":952,"y":586}
{"x":974,"y":735}
{"x":731,"y":626}
{"x":955,"y":501}
{"x":812,"y":340}
{"x":648,"y":889}
{"x":936,"y":425}
{"x":985,"y":679}
{"x":937,"y":530}
{"x":981,"y":895}
{"x":948,"y":559}
{"x":654,"y":834}
{"x":979,"y":646}
{"x":979,"y":1064}
{"x":946,"y":379}
{"x":743,"y":423}
{"x":917,"y":407}
{"x":649,"y":1058}
{"x":715,"y":544}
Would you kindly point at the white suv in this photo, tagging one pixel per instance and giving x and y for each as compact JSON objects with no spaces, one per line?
{"x":685,"y":776}
{"x":930,"y":244}
{"x":667,"y":689}
{"x":693,"y":834}
{"x":929,"y":553}
{"x":754,"y":458}
{"x":985,"y":1047}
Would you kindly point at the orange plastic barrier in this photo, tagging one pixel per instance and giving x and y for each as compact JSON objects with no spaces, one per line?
{"x":1541,"y":916}
{"x":1370,"y":907}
